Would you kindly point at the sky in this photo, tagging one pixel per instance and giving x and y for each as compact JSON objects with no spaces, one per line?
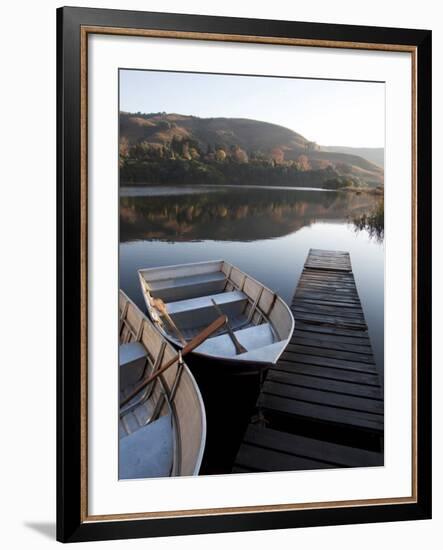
{"x":345,"y":113}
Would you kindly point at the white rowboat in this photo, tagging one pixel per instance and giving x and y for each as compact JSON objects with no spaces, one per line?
{"x":180,"y":301}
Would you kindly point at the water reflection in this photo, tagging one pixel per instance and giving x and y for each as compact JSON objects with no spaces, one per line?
{"x":238,"y":214}
{"x":373,"y":222}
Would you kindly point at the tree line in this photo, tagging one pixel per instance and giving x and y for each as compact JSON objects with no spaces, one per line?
{"x":186,"y":161}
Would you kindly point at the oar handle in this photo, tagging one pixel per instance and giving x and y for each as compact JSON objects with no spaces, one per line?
{"x":190,"y":346}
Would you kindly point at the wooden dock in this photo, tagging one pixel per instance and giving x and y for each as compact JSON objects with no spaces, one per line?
{"x":321,"y":406}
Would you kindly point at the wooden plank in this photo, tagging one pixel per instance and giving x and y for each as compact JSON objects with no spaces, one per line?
{"x":338,"y":331}
{"x":325,"y":338}
{"x":333,"y":294}
{"x":323,"y":397}
{"x":343,"y":284}
{"x":333,"y":299}
{"x":268,"y":460}
{"x":332,"y":307}
{"x":324,"y":252}
{"x":328,"y":293}
{"x":341,"y":288}
{"x":324,"y":413}
{"x":330,"y":301}
{"x":317,"y":271}
{"x":338,"y":289}
{"x":314,"y":382}
{"x":329,"y":345}
{"x":341,"y":313}
{"x":332,"y":279}
{"x":318,"y":351}
{"x":318,"y":277}
{"x":314,"y":316}
{"x":330,"y":373}
{"x":341,"y":322}
{"x":341,"y":455}
{"x":326,"y":265}
{"x":328,"y":362}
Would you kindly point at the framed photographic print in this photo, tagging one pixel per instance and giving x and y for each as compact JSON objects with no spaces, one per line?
{"x":244,"y":271}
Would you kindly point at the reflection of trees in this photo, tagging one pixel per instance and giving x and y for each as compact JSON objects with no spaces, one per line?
{"x":373,"y":221}
{"x":235,"y":214}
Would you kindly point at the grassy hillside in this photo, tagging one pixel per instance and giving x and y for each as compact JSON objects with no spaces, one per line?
{"x":161,"y":147}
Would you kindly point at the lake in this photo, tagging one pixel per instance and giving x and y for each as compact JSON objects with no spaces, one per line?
{"x":266,"y":232}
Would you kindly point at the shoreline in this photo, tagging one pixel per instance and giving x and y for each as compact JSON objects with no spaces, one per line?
{"x":185,"y":189}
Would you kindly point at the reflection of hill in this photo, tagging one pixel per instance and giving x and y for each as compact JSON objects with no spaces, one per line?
{"x":234,"y":215}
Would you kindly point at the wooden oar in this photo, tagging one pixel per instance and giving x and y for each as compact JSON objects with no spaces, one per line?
{"x":160,"y":305}
{"x":194,"y":343}
{"x":238,"y":347}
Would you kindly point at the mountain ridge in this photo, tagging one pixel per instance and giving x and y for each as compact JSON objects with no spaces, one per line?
{"x":172,"y":136}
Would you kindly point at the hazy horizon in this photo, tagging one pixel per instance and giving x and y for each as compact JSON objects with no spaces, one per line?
{"x":329,"y":112}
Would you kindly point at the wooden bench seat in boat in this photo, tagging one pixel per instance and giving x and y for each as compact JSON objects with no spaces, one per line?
{"x":131,"y":352}
{"x":147,"y":452}
{"x":201,"y":311}
{"x":184,"y":288}
{"x":132,"y":359}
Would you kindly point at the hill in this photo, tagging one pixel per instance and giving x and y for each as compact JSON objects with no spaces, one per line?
{"x":216,"y":144}
{"x":376,"y":155}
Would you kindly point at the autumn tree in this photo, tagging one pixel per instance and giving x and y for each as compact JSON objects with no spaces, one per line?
{"x":220,"y":155}
{"x":303,"y":163}
{"x":185,"y":151}
{"x":240,"y":155}
{"x":277,"y":155}
{"x":123,"y":149}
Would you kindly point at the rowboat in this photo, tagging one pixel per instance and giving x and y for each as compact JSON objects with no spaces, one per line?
{"x":162,"y":423}
{"x":180,"y":299}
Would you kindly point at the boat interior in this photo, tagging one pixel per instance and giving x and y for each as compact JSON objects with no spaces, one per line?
{"x":162,"y":427}
{"x":261,"y":321}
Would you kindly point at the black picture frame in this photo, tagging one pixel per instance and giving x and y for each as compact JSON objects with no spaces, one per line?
{"x":71,"y":524}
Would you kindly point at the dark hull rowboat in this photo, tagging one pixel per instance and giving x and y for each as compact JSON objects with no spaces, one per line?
{"x":181,"y":299}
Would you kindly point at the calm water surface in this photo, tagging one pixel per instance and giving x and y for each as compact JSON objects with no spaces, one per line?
{"x":264,"y":231}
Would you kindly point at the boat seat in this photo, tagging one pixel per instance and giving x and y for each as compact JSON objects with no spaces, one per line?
{"x":132,"y":359}
{"x":255,"y":337}
{"x":205,"y":301}
{"x":201,"y":311}
{"x":147,"y":452}
{"x":131,"y":352}
{"x":183,"y":288}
